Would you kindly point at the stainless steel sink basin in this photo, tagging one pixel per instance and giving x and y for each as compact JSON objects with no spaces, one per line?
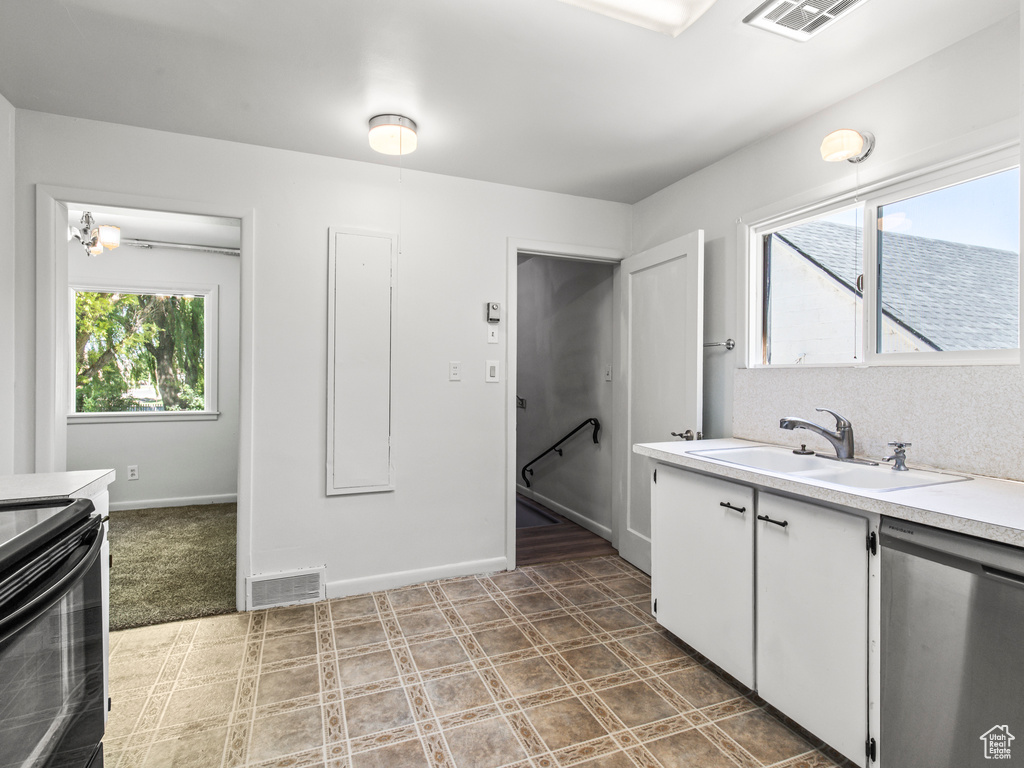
{"x":881,"y":478}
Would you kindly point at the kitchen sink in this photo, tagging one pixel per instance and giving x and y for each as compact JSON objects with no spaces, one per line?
{"x":881,"y":478}
{"x":770,"y":458}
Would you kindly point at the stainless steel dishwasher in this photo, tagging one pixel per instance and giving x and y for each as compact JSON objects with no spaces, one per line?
{"x":952,"y":638}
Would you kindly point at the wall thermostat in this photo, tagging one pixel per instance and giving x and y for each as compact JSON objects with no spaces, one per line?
{"x":493,"y":312}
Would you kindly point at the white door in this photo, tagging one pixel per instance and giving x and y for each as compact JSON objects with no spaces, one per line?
{"x":662,"y":306}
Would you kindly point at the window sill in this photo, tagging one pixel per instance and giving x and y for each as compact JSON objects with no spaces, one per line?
{"x":136,"y":416}
{"x":914,"y":360}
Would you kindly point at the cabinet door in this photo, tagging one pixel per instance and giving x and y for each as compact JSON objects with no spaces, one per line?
{"x":812,"y":619}
{"x":702,"y":566}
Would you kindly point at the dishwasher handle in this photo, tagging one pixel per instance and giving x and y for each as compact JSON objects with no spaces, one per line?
{"x":1013,"y":579}
{"x":986,"y":559}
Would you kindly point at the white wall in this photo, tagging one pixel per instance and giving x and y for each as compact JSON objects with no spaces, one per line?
{"x":7,"y":337}
{"x":564,"y":339}
{"x":449,"y":439}
{"x":180,"y":462}
{"x":962,"y":99}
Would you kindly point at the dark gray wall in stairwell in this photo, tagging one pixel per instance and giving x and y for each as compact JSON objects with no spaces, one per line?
{"x":564,"y":336}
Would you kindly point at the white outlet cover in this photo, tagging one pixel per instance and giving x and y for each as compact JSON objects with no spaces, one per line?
{"x":454,"y":371}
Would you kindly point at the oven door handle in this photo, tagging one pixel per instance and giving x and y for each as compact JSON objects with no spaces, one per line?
{"x":53,"y":589}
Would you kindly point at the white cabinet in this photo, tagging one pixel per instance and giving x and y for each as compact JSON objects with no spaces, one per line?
{"x":812,"y":618}
{"x":801,"y":637}
{"x":702,"y":566}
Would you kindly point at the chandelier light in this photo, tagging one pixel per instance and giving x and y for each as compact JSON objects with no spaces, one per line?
{"x":95,"y":237}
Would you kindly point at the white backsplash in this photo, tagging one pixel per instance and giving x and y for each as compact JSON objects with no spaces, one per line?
{"x":966,"y":419}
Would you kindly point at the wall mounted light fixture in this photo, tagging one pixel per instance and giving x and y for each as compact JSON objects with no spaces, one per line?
{"x":847,"y":144}
{"x":94,"y":237}
{"x":392,"y":134}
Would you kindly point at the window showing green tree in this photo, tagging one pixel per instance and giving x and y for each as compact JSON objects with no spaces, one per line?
{"x":139,"y":352}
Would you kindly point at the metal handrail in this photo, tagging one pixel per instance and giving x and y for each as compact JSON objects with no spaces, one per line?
{"x":556,"y":448}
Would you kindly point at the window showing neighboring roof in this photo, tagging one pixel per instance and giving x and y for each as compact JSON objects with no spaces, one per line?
{"x":813,"y":312}
{"x":954,"y":296}
{"x":941,"y":285}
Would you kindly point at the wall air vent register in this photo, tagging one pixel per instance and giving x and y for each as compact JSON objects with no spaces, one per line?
{"x":268,"y":590}
{"x":800,"y":20}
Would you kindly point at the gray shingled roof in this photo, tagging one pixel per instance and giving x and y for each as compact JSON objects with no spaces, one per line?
{"x":955,"y":296}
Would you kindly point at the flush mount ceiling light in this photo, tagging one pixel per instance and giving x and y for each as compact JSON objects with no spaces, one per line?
{"x":392,"y":134}
{"x":847,"y":144}
{"x":94,"y":237}
{"x":669,"y":17}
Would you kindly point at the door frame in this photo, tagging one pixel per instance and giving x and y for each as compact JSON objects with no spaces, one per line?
{"x":52,"y":356}
{"x":522,"y":247}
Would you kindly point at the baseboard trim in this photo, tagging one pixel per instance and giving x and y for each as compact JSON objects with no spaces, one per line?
{"x":601,"y":530}
{"x":182,"y":501}
{"x":360,"y":586}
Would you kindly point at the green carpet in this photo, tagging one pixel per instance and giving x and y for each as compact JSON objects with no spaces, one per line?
{"x":171,"y":563}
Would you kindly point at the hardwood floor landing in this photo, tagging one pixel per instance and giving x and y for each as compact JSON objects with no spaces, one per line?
{"x":555,"y":543}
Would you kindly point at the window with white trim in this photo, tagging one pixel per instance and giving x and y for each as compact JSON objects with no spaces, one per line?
{"x":924,"y":272}
{"x":143,"y":353}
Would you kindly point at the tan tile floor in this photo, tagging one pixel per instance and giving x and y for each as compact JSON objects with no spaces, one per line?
{"x":553,"y":665}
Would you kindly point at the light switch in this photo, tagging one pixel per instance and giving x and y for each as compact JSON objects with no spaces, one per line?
{"x":454,"y":371}
{"x":491,"y":373}
{"x":607,"y":373}
{"x":492,"y":335}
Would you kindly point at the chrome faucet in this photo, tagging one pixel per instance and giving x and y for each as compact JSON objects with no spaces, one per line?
{"x":899,"y":455}
{"x":841,"y":439}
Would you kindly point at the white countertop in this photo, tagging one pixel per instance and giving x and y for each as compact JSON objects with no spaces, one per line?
{"x":984,"y":507}
{"x":83,"y":483}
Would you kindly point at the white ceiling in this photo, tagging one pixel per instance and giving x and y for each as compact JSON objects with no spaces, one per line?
{"x":534,"y":93}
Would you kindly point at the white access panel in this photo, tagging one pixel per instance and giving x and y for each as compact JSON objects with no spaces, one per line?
{"x":702,"y":566}
{"x":812,"y":619}
{"x":360,"y":275}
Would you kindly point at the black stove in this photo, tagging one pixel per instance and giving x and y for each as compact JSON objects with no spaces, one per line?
{"x":52,"y":701}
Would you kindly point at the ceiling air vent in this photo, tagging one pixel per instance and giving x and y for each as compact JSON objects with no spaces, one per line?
{"x":799,"y":19}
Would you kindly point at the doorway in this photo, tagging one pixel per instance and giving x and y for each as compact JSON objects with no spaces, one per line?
{"x":656,"y":372}
{"x":154,"y":390}
{"x":564,"y":340}
{"x":169,"y":223}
